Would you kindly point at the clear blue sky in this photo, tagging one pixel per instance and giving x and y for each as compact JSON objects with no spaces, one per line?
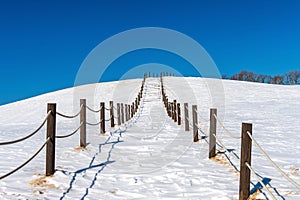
{"x":43,"y":43}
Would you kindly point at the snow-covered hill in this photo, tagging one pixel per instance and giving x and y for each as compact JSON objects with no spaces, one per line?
{"x":151,"y":157}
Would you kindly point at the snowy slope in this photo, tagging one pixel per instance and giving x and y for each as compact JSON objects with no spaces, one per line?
{"x":150,"y":157}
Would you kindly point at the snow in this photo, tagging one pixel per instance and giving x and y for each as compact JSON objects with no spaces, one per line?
{"x":150,"y":157}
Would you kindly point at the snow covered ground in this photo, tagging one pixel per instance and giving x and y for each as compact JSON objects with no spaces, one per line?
{"x":150,"y":157}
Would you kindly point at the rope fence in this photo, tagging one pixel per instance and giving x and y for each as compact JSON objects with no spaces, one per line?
{"x":70,"y":116}
{"x":227,"y":131}
{"x":69,"y":135}
{"x":273,"y":163}
{"x":94,"y":124}
{"x":25,"y":163}
{"x":125,"y":112}
{"x":28,"y":136}
{"x":92,"y":110}
{"x":260,"y":181}
{"x":246,"y":142}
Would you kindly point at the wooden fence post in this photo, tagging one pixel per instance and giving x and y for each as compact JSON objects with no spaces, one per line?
{"x":132,"y":110}
{"x":112,"y":117}
{"x":212,"y":133}
{"x":82,"y":142}
{"x":136,"y":105}
{"x":244,"y":191}
{"x":186,"y":117}
{"x":129,"y":113}
{"x":163,"y":94}
{"x":102,"y":118}
{"x":167,"y":103}
{"x":172,"y":110}
{"x":139,"y":98}
{"x":175,"y":111}
{"x":133,"y":107}
{"x":122,"y":113}
{"x":50,"y":148}
{"x":126,"y":112}
{"x":178,"y":114}
{"x":119,"y":114}
{"x":195,"y":123}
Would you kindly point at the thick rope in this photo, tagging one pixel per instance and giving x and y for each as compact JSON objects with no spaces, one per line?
{"x":70,"y":116}
{"x":273,"y":163}
{"x":93,"y":124}
{"x":107,"y":120}
{"x":28,"y":136}
{"x":223,"y":146}
{"x":65,"y":136}
{"x":25,"y":163}
{"x":228,"y":132}
{"x":92,"y":110}
{"x":199,"y":128}
{"x":259,"y":180}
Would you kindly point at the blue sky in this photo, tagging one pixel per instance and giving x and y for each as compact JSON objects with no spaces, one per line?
{"x":43,"y":43}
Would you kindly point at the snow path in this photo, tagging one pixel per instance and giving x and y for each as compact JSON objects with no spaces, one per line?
{"x":151,"y":159}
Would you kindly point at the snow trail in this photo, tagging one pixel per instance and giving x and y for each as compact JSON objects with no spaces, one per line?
{"x":152,"y":159}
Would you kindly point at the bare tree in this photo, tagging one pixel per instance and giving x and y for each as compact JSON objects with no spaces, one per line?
{"x":244,"y":76}
{"x":293,"y":77}
{"x":268,"y":79}
{"x":234,"y":77}
{"x":261,"y":78}
{"x":277,"y":79}
{"x":250,"y":76}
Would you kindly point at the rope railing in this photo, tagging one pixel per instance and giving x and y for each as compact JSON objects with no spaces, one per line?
{"x":69,"y":135}
{"x":30,"y":135}
{"x":215,"y":141}
{"x":94,"y":124}
{"x":25,"y":163}
{"x":273,"y":163}
{"x":199,"y":128}
{"x":130,"y":113}
{"x":227,"y":131}
{"x":107,"y":120}
{"x":224,"y":147}
{"x":70,"y":116}
{"x":260,"y":181}
{"x":92,"y":110}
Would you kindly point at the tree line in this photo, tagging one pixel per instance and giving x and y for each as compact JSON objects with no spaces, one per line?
{"x":290,"y":78}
